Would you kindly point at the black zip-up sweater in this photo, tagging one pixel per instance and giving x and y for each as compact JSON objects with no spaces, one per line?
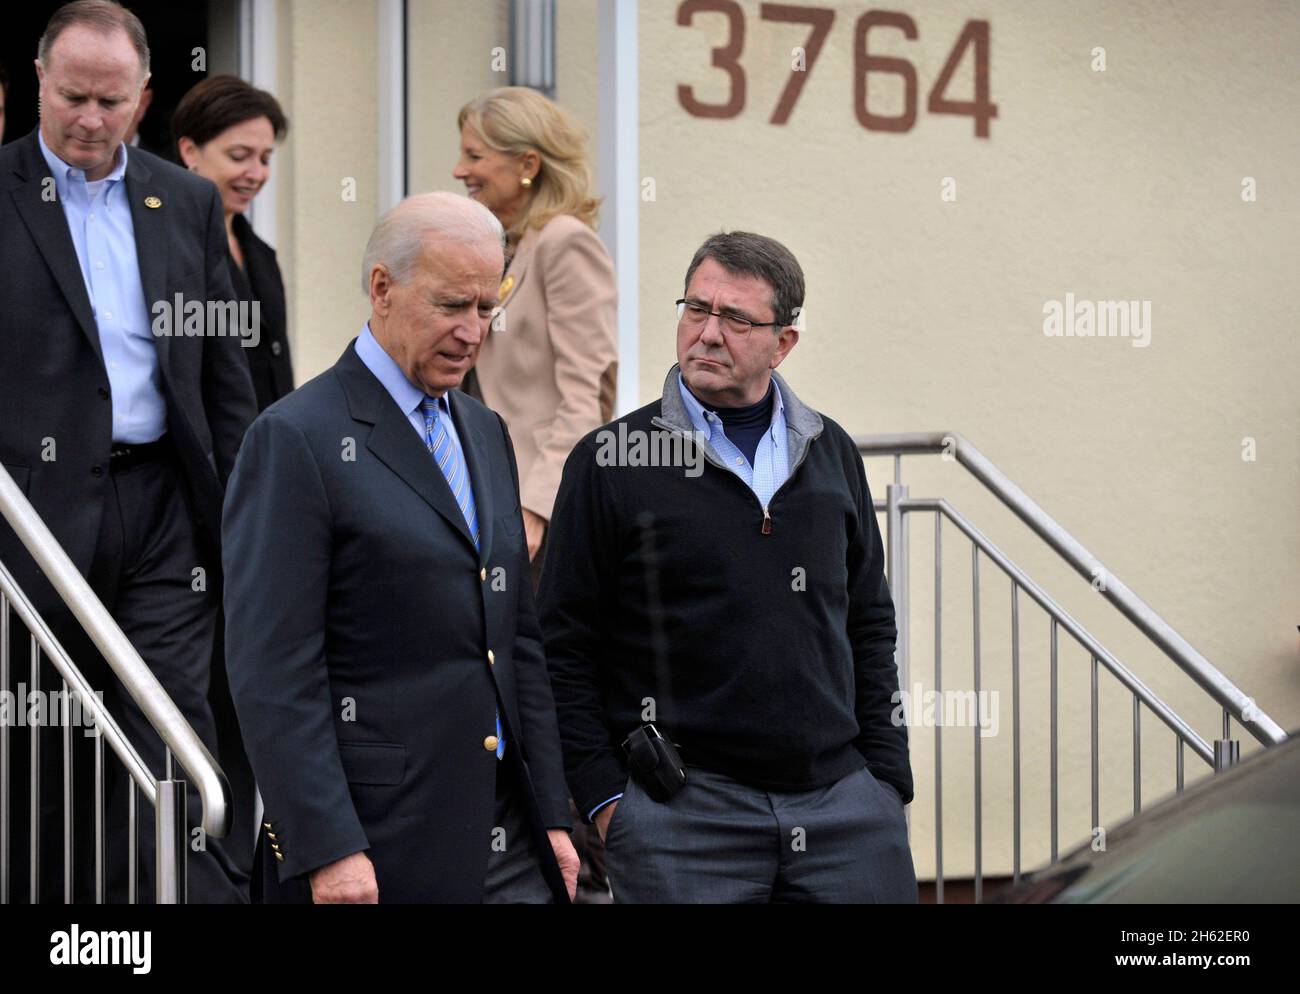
{"x":763,"y":636}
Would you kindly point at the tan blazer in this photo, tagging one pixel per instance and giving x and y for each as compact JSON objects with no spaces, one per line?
{"x":550,"y":363}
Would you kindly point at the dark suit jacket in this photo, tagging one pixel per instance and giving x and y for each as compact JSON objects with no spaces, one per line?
{"x":53,"y":384}
{"x":368,"y":643}
{"x":268,"y":360}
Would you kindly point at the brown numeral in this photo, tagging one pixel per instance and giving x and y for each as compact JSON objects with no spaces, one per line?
{"x":821,"y":19}
{"x":976,"y":33}
{"x":727,"y":57}
{"x":863,"y":64}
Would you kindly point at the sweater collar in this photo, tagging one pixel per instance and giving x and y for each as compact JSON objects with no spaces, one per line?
{"x":803,"y":424}
{"x":700,"y":415}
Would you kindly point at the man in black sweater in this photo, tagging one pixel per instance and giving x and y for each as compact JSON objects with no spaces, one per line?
{"x":715,"y":576}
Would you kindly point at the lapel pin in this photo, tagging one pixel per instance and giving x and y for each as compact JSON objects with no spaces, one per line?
{"x":152,"y":202}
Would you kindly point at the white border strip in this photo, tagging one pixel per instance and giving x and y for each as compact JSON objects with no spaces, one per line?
{"x":259,"y":64}
{"x":392,"y":86}
{"x":620,"y":183}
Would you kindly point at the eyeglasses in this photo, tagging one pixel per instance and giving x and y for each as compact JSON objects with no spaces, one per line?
{"x":696,"y":315}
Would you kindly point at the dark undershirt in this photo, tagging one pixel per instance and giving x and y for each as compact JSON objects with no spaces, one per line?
{"x":745,"y":425}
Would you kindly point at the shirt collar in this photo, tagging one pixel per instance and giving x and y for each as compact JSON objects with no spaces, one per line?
{"x":777,"y":427}
{"x":696,"y":411}
{"x":63,"y":173}
{"x":405,"y":394}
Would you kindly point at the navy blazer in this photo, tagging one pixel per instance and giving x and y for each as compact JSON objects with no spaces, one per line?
{"x":369,"y":644}
{"x":54,"y":388}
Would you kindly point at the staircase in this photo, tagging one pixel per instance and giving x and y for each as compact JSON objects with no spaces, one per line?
{"x":899,"y":507}
{"x":162,"y":792}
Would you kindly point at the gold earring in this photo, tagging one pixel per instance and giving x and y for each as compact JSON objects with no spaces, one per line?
{"x":525,"y":182}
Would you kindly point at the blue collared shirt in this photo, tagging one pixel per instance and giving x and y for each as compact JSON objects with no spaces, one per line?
{"x":405,"y":394}
{"x":410,"y":399}
{"x":99,"y":220}
{"x":771,"y":466}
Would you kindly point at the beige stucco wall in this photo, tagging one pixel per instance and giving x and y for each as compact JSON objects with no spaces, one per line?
{"x":927,"y":315}
{"x":453,"y":59}
{"x":577,"y":82}
{"x":451,"y":44}
{"x":327,"y":171}
{"x":328,"y":82}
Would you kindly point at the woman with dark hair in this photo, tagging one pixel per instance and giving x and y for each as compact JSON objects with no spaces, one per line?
{"x":226,"y":131}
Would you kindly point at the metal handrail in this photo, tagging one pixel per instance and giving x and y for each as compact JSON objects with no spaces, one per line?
{"x":1080,"y":634}
{"x":56,"y":654}
{"x":136,"y":677}
{"x":1195,"y":665}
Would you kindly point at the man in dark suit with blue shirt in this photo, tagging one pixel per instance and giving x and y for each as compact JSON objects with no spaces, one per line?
{"x":120,"y":437}
{"x":381,"y":638}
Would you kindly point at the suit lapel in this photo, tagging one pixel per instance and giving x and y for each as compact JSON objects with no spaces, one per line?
{"x":523,"y":255}
{"x":150,"y":225}
{"x":49,"y":228}
{"x":394,"y":443}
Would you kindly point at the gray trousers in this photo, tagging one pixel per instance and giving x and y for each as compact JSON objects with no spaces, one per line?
{"x":718,"y":841}
{"x":514,"y":873}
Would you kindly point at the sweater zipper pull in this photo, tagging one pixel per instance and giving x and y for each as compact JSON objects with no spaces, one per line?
{"x":767,"y":522}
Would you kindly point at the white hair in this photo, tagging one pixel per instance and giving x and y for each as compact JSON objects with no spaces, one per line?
{"x":399,"y":236}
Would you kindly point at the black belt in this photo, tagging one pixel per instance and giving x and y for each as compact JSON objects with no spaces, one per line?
{"x":123,"y":456}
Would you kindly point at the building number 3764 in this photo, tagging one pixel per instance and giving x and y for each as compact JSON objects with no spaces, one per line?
{"x":820,"y":19}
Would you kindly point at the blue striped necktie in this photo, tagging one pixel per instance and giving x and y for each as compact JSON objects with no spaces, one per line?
{"x":437,"y":439}
{"x":440,"y":445}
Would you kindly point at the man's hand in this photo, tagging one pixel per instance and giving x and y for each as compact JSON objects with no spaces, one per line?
{"x":567,"y":857}
{"x":603,"y":817}
{"x":350,"y":880}
{"x":534,"y":529}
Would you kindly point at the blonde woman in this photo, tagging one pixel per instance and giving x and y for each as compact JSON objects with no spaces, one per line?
{"x":549,"y":364}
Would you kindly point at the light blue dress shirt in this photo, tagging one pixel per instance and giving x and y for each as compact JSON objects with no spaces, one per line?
{"x":771,"y":466}
{"x":405,"y":394}
{"x":99,"y":220}
{"x":410,"y":399}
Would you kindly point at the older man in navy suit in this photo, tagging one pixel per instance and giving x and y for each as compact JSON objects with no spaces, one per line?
{"x":382,"y":643}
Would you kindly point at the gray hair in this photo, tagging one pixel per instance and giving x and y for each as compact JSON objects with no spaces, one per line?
{"x":748,"y":254}
{"x":399,"y":236}
{"x":104,"y":16}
